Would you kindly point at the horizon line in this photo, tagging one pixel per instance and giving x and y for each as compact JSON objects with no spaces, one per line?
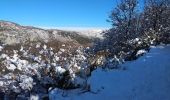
{"x":75,"y":28}
{"x":72,"y":28}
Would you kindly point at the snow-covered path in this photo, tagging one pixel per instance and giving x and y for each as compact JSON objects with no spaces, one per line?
{"x":147,"y":78}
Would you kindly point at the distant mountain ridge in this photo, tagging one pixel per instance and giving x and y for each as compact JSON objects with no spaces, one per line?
{"x":11,"y":32}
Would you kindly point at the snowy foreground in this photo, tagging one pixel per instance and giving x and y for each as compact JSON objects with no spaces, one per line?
{"x":147,"y":78}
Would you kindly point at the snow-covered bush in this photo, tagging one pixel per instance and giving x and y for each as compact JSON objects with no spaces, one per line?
{"x":43,"y":65}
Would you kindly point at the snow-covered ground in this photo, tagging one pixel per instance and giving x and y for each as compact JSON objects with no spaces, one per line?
{"x":147,"y":78}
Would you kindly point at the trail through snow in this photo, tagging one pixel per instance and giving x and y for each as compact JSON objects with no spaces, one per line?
{"x":147,"y":78}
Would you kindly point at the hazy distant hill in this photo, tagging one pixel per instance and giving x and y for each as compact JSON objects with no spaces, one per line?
{"x":11,"y":32}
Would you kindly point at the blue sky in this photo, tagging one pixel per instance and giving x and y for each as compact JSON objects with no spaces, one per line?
{"x":57,"y":13}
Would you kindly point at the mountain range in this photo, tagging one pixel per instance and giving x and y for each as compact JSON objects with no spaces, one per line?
{"x":11,"y":32}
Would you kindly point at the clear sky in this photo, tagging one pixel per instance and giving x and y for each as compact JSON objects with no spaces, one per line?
{"x":58,"y":13}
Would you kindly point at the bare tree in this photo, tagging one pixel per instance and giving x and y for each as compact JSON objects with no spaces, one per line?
{"x":124,"y":18}
{"x":156,"y":16}
{"x":125,"y":22}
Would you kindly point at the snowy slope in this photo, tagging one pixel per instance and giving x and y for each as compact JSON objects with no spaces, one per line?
{"x":144,"y":79}
{"x":96,"y":33}
{"x":89,"y":32}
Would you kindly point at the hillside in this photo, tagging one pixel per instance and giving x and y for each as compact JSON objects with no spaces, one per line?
{"x":11,"y":33}
{"x":49,"y":63}
{"x":144,"y":79}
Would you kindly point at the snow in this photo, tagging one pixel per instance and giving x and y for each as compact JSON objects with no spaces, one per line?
{"x":90,"y":32}
{"x":63,"y":45}
{"x":100,"y":61}
{"x":21,"y":64}
{"x":26,"y":82}
{"x":21,"y":49}
{"x":11,"y":67}
{"x":147,"y":78}
{"x":140,"y":52}
{"x":1,"y":83}
{"x":57,"y":58}
{"x":62,"y":50}
{"x":60,"y":70}
{"x":14,"y":58}
{"x":34,"y":97}
{"x":136,"y":39}
{"x":37,"y":45}
{"x":44,"y":47}
{"x":1,"y":48}
{"x":3,"y":56}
